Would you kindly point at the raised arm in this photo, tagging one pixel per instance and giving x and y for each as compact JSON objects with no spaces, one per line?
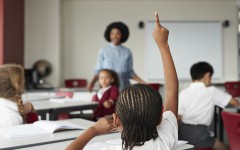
{"x":160,"y":35}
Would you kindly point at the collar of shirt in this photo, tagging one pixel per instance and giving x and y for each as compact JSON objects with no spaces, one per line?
{"x":197,"y":84}
{"x":10,"y":104}
{"x":102,"y":91}
{"x":115,"y":46}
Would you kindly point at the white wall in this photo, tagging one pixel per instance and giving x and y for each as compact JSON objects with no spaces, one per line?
{"x":42,"y":35}
{"x":83,"y":24}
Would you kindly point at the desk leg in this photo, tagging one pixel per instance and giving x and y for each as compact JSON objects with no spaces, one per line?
{"x":220,"y":123}
{"x":215,"y":121}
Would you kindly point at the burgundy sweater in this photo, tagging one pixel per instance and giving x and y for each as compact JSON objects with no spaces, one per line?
{"x":101,"y":111}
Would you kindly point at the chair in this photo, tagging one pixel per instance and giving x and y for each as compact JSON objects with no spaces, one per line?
{"x":63,"y":116}
{"x":155,"y":86}
{"x":75,"y":83}
{"x":233,"y":88}
{"x":232,"y":125}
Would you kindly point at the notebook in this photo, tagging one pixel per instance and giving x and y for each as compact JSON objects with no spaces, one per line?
{"x":41,"y":127}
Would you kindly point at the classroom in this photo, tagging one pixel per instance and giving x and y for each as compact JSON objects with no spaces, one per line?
{"x":67,"y":36}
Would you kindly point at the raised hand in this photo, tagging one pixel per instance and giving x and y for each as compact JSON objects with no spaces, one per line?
{"x":160,"y":33}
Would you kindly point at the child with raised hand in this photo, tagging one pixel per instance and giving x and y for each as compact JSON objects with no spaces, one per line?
{"x":138,"y":115}
{"x":12,"y":110}
{"x":107,"y":95}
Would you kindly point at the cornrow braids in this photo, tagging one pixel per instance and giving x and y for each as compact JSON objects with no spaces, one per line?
{"x":21,"y":107}
{"x":139,"y":108}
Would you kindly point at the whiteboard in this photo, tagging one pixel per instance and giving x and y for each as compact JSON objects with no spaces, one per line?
{"x":189,"y":42}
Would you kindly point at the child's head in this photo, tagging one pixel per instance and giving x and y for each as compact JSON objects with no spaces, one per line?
{"x":108,"y":77}
{"x":138,"y":112}
{"x":202,"y":71}
{"x":117,"y":33}
{"x":12,"y":83}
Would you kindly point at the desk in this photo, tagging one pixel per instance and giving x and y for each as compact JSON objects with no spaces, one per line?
{"x":54,"y":108}
{"x":6,"y":143}
{"x":101,"y":138}
{"x":59,"y":140}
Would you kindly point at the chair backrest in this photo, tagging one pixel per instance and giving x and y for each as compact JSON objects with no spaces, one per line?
{"x":233,"y":88}
{"x":155,"y":86}
{"x":76,"y":83}
{"x":64,"y":93}
{"x":232,"y":125}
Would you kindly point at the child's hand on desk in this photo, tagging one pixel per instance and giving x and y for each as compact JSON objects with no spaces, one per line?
{"x":104,"y":125}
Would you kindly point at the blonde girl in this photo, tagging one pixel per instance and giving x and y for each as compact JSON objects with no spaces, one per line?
{"x":12,"y":109}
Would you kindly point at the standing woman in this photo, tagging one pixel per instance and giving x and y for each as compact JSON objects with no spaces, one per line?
{"x":115,"y":56}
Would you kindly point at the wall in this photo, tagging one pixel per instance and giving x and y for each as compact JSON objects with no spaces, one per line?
{"x":11,"y":31}
{"x":83,"y":24}
{"x":42,"y":35}
{"x":1,"y":30}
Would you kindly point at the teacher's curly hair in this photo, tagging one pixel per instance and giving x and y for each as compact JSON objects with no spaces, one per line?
{"x":120,"y":26}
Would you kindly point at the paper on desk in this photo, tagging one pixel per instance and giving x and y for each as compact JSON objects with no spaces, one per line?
{"x":26,"y":130}
{"x":38,"y":128}
{"x":63,"y":100}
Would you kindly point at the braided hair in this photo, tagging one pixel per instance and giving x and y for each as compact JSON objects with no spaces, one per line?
{"x":139,"y":108}
{"x":12,"y":85}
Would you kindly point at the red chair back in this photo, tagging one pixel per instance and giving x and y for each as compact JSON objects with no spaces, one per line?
{"x":233,"y":88}
{"x":66,"y":94}
{"x":155,"y":86}
{"x":232,"y":125}
{"x":76,"y":83}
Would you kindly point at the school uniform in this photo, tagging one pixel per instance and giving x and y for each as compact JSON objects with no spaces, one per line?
{"x":104,"y":94}
{"x":196,"y":105}
{"x":119,"y":59}
{"x":167,"y":135}
{"x":166,"y":140}
{"x":9,"y":113}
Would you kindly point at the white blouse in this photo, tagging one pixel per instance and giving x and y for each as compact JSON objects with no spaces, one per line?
{"x":9,"y":113}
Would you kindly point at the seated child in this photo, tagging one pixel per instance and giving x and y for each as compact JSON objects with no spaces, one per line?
{"x":196,"y":108}
{"x":12,"y":110}
{"x":138,"y":115}
{"x":107,"y":95}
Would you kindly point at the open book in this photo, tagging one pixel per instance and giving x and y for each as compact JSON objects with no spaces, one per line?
{"x":38,"y":128}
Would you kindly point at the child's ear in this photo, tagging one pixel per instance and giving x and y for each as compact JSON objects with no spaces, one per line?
{"x":116,"y":120}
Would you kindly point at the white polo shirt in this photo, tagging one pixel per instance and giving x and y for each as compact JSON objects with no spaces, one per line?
{"x":9,"y":113}
{"x":196,"y":103}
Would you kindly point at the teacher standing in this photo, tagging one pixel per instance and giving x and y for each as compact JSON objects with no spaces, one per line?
{"x":115,"y":56}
